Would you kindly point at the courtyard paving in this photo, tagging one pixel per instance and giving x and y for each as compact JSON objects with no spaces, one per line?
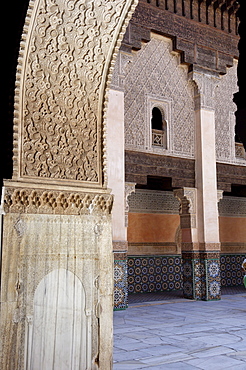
{"x":181,"y":334}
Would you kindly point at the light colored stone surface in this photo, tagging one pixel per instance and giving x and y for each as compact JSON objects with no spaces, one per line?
{"x":208,"y":230}
{"x":181,"y":334}
{"x":206,"y":181}
{"x":57,"y":333}
{"x":116,"y":163}
{"x":57,"y":277}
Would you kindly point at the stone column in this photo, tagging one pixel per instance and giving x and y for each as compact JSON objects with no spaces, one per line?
{"x":116,"y":176}
{"x":57,"y":260}
{"x":199,"y":213}
{"x":116,"y":181}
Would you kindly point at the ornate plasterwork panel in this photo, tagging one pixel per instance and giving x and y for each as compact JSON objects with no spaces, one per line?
{"x":232,"y":207}
{"x":149,"y":201}
{"x":225,"y":118}
{"x":129,"y":189}
{"x":205,"y":85}
{"x":155,"y":72}
{"x":119,"y":72}
{"x":187,"y":198}
{"x":39,"y":201}
{"x":66,"y":52}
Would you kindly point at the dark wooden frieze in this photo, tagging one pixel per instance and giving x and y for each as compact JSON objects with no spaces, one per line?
{"x":204,"y":32}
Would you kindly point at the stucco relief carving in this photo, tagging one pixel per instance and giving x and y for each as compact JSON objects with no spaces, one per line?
{"x":129,"y":189}
{"x":188,"y":208}
{"x":155,"y":72}
{"x":232,"y":206}
{"x":152,"y":201}
{"x":205,"y":85}
{"x":62,"y":75}
{"x":21,"y":200}
{"x":225,"y":118}
{"x":118,"y":77}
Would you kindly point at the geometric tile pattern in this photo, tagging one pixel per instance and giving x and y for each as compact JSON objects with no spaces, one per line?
{"x":120,"y":285}
{"x":201,"y":275}
{"x":154,"y":273}
{"x":213,"y":283}
{"x":231,"y":269}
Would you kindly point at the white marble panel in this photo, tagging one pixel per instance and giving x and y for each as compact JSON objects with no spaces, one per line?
{"x":58,"y":335}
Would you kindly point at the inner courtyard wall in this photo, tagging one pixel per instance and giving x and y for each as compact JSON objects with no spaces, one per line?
{"x":154,"y":249}
{"x":155,"y":76}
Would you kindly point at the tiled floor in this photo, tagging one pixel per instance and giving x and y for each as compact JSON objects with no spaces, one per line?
{"x":182,"y":334}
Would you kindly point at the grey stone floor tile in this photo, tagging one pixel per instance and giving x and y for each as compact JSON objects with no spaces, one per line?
{"x":240,"y":355}
{"x":173,"y":366}
{"x":239,"y":346}
{"x":214,"y":351}
{"x":167,"y":359}
{"x":132,"y":356}
{"x":127,"y":365}
{"x":220,"y":339}
{"x":162,"y":349}
{"x":182,"y":335}
{"x":215,"y":362}
{"x":143,"y":335}
{"x":133,"y":346}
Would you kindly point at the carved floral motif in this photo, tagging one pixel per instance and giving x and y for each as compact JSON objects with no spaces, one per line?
{"x":62,"y":83}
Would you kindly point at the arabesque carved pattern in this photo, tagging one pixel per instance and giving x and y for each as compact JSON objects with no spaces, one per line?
{"x":155,"y":72}
{"x":66,"y":70}
{"x":21,"y":200}
{"x":224,"y":116}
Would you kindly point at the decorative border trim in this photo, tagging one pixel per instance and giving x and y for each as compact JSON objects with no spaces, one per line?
{"x":21,"y":200}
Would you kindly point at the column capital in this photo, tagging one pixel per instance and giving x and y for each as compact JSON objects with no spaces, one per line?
{"x":129,"y":189}
{"x":205,"y":84}
{"x":188,"y":200}
{"x":219,"y":195}
{"x":186,"y":194}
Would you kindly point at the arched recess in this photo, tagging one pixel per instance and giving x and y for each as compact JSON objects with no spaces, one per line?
{"x":159,"y":127}
{"x":53,"y":340}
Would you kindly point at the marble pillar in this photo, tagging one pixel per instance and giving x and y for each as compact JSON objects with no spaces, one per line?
{"x":199,"y":209}
{"x":116,"y":182}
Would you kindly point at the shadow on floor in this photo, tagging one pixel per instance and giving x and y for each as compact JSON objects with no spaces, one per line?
{"x":176,"y":294}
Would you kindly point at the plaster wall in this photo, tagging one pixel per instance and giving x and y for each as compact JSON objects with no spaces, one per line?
{"x":232,"y":229}
{"x":153,"y":228}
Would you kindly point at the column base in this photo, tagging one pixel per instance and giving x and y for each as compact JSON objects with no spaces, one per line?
{"x":201,"y":275}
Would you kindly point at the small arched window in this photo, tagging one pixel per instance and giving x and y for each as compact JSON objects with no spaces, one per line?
{"x":156,"y":120}
{"x":159,"y":128}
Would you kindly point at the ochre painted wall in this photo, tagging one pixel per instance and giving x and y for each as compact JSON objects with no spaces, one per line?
{"x":232,"y":229}
{"x":152,"y":228}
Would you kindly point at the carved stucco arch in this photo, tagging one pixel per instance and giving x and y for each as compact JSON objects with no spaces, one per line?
{"x":66,"y":58}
